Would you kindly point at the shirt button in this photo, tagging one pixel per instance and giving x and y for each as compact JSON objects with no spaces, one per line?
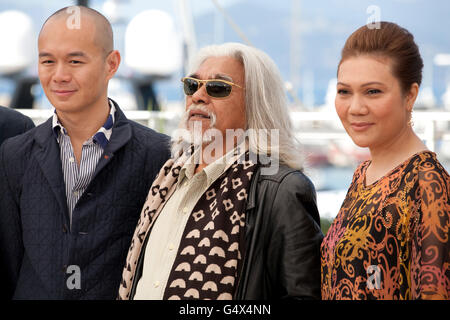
{"x":171,"y":247}
{"x":185,"y":184}
{"x":156,"y":284}
{"x":185,"y":210}
{"x":71,"y":159}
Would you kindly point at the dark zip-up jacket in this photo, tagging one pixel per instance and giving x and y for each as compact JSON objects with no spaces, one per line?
{"x":13,"y":123}
{"x":40,"y":256}
{"x":282,"y":239}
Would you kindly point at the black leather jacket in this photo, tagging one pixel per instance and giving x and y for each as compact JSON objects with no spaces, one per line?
{"x":283,"y":237}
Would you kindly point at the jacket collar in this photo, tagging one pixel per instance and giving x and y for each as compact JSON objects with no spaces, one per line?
{"x":48,"y":157}
{"x":48,"y":154}
{"x":251,"y":202}
{"x":120,"y":136}
{"x":101,"y":137}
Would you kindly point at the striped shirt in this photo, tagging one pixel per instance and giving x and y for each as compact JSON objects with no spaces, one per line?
{"x":77,"y":178}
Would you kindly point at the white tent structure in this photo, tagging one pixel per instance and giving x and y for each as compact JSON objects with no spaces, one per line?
{"x":18,"y":42}
{"x":152,"y":44}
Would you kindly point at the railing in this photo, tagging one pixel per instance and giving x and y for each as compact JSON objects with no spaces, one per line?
{"x":317,"y":131}
{"x":430,"y":126}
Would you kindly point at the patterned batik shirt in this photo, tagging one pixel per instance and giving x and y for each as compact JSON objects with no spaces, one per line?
{"x":390,"y":239}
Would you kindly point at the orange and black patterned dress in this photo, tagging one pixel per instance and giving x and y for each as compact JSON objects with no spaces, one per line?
{"x":390,"y":240}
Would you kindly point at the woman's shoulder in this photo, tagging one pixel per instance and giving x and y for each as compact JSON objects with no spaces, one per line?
{"x":430,"y":170}
{"x":428,"y":160}
{"x":358,"y":174}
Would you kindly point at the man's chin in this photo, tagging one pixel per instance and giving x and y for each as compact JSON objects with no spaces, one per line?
{"x":58,"y":103}
{"x":198,"y":125}
{"x":198,"y":133}
{"x":64,"y":107}
{"x":197,"y":140}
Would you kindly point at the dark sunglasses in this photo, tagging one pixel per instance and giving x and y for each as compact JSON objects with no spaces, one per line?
{"x":215,"y":88}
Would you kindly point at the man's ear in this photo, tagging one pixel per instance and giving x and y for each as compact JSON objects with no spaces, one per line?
{"x":112,"y":63}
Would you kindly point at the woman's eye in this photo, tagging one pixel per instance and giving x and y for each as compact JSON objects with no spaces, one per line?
{"x":342,"y":91}
{"x":373,"y":91}
{"x":46,"y":61}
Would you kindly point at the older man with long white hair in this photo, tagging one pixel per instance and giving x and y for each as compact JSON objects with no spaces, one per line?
{"x":230,"y":215}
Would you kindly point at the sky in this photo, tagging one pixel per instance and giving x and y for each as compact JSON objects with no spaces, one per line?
{"x":324,"y":26}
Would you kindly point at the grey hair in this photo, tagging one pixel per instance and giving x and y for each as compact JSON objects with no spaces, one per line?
{"x":265,"y":100}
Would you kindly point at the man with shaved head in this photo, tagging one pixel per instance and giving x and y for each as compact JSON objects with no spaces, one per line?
{"x":72,"y":188}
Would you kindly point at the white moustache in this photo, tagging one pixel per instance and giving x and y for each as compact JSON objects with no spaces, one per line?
{"x":202,"y":108}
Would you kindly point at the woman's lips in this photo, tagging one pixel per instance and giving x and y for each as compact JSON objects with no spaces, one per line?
{"x":361,"y":126}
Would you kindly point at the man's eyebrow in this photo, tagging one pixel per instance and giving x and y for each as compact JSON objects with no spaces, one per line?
{"x":77,"y":54}
{"x":218,"y":76}
{"x":222,"y":77}
{"x":71,"y":54}
{"x":44,"y":54}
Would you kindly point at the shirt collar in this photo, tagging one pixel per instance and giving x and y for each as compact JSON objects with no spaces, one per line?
{"x":188,"y":169}
{"x":219,"y":166}
{"x":101,"y":137}
{"x":214,"y":169}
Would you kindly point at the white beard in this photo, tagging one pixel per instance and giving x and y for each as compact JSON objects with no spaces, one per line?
{"x":191,"y":132}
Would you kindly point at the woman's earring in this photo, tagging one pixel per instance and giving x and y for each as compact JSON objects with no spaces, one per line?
{"x":411,"y":122}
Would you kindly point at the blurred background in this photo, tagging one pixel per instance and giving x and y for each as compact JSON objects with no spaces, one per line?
{"x":158,"y":38}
